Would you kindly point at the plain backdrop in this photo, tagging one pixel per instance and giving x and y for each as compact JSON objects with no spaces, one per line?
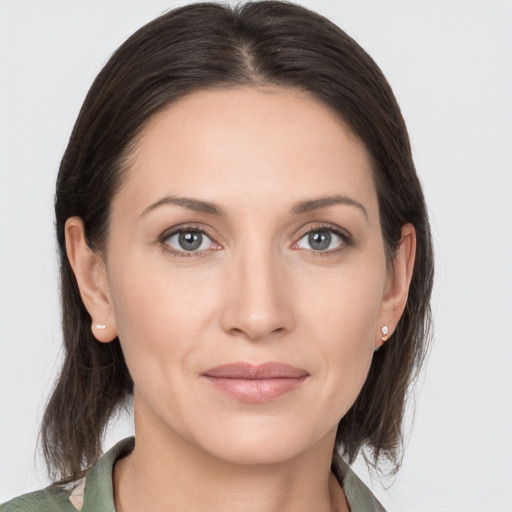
{"x":450,"y":65}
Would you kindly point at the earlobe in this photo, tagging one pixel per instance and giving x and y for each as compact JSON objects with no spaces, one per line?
{"x":397,"y":289}
{"x":89,"y":269}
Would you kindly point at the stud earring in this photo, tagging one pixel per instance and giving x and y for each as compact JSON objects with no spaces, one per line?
{"x":384,"y":330}
{"x":101,"y":326}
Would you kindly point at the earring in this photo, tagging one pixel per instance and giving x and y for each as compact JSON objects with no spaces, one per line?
{"x":101,"y":326}
{"x":384,"y":330}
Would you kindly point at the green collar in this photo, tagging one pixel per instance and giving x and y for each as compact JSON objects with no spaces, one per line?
{"x":98,"y":491}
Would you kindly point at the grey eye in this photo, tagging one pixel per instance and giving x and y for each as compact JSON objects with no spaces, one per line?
{"x":189,"y":241}
{"x":320,"y":240}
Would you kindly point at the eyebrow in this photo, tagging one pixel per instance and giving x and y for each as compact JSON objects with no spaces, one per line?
{"x":187,"y":202}
{"x":299,"y":208}
{"x":324,"y":202}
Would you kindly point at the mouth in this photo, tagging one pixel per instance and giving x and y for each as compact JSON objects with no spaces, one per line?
{"x":255,"y":384}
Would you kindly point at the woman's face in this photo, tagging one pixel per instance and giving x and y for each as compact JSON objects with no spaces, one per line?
{"x":246,"y":233}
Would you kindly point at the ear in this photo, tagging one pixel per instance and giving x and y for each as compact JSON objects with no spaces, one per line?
{"x":90,"y":272}
{"x":397,"y":285}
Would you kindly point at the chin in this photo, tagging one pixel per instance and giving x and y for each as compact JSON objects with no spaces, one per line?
{"x":259,"y":442}
{"x":255,"y":453}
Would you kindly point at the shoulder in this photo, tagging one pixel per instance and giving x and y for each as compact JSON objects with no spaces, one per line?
{"x":89,"y":494}
{"x":52,"y":499}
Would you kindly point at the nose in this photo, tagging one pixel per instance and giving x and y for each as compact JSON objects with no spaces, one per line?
{"x":257,"y":303}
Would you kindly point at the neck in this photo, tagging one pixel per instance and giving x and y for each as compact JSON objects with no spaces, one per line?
{"x":167,"y":472}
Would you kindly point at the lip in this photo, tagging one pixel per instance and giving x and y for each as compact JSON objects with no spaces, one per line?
{"x":255,"y":383}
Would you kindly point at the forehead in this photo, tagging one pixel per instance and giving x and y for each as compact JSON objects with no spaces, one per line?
{"x":248,"y":144}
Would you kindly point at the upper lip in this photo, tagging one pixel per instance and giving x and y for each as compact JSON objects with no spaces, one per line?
{"x":256,"y":372}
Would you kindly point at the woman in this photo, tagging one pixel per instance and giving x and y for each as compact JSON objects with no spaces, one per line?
{"x":244,"y":250}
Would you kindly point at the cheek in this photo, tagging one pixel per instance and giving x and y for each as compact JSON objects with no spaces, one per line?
{"x":159,"y":314}
{"x":344,"y":305}
{"x":343,"y":322}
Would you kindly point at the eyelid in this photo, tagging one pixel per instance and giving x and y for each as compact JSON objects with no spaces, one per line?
{"x":345,"y":235}
{"x":312,"y":227}
{"x":180,"y":228}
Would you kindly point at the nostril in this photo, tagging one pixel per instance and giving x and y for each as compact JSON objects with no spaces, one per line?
{"x":257,"y":333}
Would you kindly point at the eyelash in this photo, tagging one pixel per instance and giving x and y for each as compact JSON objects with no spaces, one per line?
{"x":343,"y":234}
{"x":182,"y":229}
{"x":346,"y":237}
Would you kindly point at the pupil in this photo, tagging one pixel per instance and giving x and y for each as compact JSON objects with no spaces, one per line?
{"x":190,"y":240}
{"x":320,"y":240}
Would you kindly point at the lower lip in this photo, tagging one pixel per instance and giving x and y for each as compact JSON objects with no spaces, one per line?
{"x":255,"y":390}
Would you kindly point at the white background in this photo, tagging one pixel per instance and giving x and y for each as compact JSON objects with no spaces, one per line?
{"x":450,"y":65}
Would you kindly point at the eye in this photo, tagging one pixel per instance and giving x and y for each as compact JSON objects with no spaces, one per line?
{"x":189,"y":240}
{"x":322,"y":240}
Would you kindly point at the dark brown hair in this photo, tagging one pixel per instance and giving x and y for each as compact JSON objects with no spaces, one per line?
{"x":210,"y":45}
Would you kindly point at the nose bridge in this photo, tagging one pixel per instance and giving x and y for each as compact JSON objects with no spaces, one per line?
{"x":256,"y":303}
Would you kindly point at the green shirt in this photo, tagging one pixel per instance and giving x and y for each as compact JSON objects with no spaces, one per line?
{"x":98,"y":493}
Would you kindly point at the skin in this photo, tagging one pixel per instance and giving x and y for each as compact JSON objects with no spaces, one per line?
{"x":256,"y":291}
